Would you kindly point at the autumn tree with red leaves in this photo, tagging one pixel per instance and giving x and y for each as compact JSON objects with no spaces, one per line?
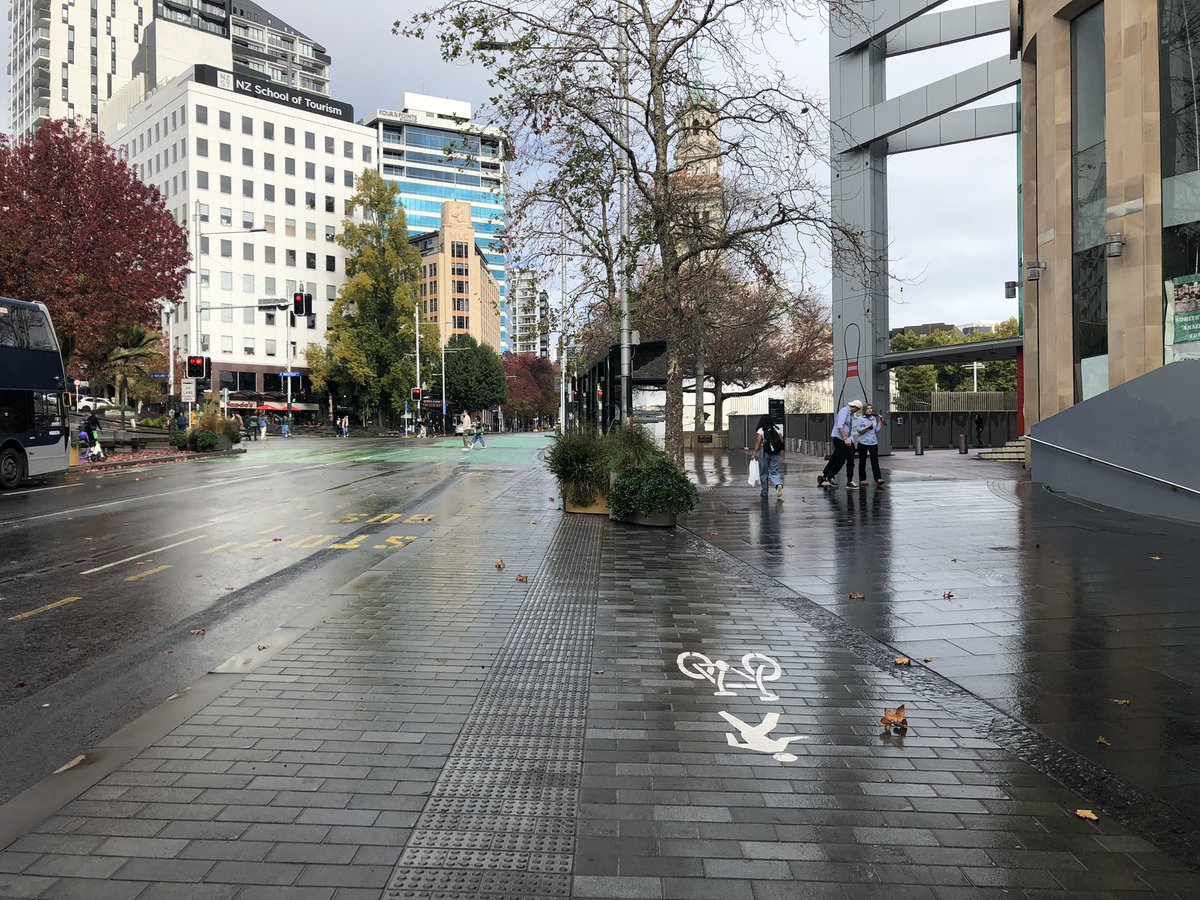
{"x":80,"y":232}
{"x":532,"y":388}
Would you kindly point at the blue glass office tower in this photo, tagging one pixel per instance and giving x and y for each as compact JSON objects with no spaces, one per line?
{"x":430,"y":149}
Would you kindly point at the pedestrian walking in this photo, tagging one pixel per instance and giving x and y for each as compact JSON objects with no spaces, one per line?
{"x":181,"y":422}
{"x":868,"y":425}
{"x":768,"y":447}
{"x":285,"y":427}
{"x":979,"y":422}
{"x":466,"y":429}
{"x":262,"y":426}
{"x":843,"y":446}
{"x":477,"y":438}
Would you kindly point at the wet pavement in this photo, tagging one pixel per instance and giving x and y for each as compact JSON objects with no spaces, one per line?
{"x":626,"y":712}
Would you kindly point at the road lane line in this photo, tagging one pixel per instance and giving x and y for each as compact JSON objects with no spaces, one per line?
{"x":55,"y":487}
{"x":42,"y":609}
{"x":148,"y":572}
{"x":272,"y":529}
{"x":217,"y":548}
{"x":140,"y":555}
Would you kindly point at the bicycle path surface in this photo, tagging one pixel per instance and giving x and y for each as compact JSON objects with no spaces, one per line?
{"x":444,"y":728}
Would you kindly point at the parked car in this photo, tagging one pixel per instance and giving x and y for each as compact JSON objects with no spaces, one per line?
{"x":86,"y":404}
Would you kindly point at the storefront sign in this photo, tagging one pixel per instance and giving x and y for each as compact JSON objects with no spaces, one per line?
{"x":1181,"y":322}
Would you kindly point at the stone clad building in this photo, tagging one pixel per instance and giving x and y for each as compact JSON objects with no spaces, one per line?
{"x":1110,"y":176}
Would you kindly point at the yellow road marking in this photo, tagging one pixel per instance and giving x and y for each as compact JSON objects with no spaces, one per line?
{"x":272,"y":528}
{"x":218,"y":547}
{"x":349,"y":545}
{"x":418,"y":519}
{"x":315,"y":515}
{"x":154,"y":571}
{"x":313,"y":541}
{"x":42,"y":609}
{"x":383,"y":518}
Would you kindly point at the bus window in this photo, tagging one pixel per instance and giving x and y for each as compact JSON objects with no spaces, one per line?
{"x":47,"y":411}
{"x":14,"y":412}
{"x":26,"y":329}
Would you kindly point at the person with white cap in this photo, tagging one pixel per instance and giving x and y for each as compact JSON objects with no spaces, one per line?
{"x":843,"y":446}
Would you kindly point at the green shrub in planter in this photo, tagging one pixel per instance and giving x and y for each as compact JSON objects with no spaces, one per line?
{"x":179,"y":439}
{"x":579,"y":460}
{"x":229,"y":427}
{"x":631,"y":447}
{"x":202,"y":440}
{"x":658,"y":488}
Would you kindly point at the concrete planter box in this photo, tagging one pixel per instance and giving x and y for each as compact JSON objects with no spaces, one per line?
{"x":597,"y":508}
{"x":651,"y":520}
{"x":223,"y":442}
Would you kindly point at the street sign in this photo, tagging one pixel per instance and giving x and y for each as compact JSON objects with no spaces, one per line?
{"x":77,"y":382}
{"x":289,"y":374}
{"x":269,"y":303}
{"x":158,"y":375}
{"x":187,"y":390}
{"x":431,"y":404}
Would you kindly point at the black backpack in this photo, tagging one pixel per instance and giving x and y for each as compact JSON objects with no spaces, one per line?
{"x":772,"y":441}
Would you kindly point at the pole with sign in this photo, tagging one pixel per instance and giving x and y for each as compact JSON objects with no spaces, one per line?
{"x":187,"y":390}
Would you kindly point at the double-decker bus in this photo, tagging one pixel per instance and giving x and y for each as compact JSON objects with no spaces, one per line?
{"x":34,"y":432}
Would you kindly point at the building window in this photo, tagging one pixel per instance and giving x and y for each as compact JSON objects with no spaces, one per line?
{"x":247,"y":125}
{"x":269,"y":224}
{"x":310,"y":171}
{"x":461,"y":322}
{"x":366,"y":154}
{"x":201,"y":147}
{"x":203,"y":212}
{"x":247,"y":187}
{"x":348,"y":149}
{"x":310,"y":231}
{"x":248,"y":346}
{"x":1089,"y":182}
{"x":330,"y":233}
{"x":269,"y":346}
{"x":226,"y":216}
{"x":289,"y":135}
{"x":224,"y":120}
{"x":330,"y":204}
{"x":349,"y":178}
{"x":247,"y":156}
{"x":289,"y":257}
{"x":330,"y":263}
{"x":226,"y":248}
{"x":269,"y":130}
{"x":226,"y":153}
{"x":269,"y":255}
{"x":226,"y":184}
{"x":289,"y":196}
{"x":310,"y":200}
{"x":269,"y":162}
{"x":289,"y":166}
{"x":226,"y":343}
{"x":330,"y":144}
{"x":310,"y":260}
{"x":289,"y":227}
{"x":248,"y":252}
{"x":248,"y":288}
{"x":201,"y":179}
{"x":269,"y":192}
{"x":201,"y":115}
{"x":459,"y":250}
{"x":310,"y":141}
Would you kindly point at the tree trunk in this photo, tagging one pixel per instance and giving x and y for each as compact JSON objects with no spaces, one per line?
{"x":122,"y":383}
{"x":699,"y":404}
{"x":718,"y":404}
{"x":673,"y":432}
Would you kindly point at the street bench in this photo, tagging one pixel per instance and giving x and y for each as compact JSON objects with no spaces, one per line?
{"x":137,"y":440}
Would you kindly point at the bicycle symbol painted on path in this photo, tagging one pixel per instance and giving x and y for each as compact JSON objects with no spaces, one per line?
{"x":756,"y":669}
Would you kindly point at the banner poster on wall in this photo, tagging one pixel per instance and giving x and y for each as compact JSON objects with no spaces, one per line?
{"x":1181,"y":322}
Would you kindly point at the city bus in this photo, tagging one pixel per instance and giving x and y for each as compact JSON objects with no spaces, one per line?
{"x":34,"y":434}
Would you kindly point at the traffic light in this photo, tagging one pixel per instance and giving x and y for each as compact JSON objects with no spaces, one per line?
{"x":198,"y":366}
{"x":416,"y":395}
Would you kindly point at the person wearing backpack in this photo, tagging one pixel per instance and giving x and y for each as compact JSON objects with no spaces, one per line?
{"x":767,"y":449}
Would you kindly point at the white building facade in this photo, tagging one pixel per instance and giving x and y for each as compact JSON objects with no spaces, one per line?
{"x":262,"y":178}
{"x":529,"y":315}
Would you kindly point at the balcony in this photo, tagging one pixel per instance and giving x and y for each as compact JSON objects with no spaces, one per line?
{"x":41,"y":37}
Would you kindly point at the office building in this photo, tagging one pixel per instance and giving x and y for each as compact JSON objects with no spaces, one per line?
{"x":434,"y":153}
{"x":458,"y":291}
{"x":262,"y":177}
{"x":69,"y":59}
{"x":529,"y":315}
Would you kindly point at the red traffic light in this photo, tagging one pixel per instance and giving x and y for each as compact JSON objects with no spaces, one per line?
{"x":416,"y":393}
{"x":298,"y":304}
{"x":197,"y":367}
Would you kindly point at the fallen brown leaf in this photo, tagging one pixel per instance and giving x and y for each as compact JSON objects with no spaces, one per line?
{"x":927,"y":659}
{"x":276,"y":540}
{"x":197,"y":631}
{"x":522,"y":578}
{"x":894,"y":719}
{"x":1103,"y":741}
{"x":948,"y":595}
{"x":1156,"y":557}
{"x":533,"y":521}
{"x":499,"y":564}
{"x":902,"y":661}
{"x":263,"y":646}
{"x":1120,"y":702}
{"x":552,"y":499}
{"x":854,"y":595}
{"x":21,"y":684}
{"x":1087,"y":814}
{"x":598,"y":672}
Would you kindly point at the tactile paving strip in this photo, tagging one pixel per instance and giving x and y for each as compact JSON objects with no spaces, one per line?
{"x":499,"y":824}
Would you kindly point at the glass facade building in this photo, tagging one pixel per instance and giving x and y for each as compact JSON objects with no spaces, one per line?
{"x":433,"y":153}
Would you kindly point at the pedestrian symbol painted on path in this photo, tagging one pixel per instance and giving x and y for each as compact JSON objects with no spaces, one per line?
{"x":756,"y":668}
{"x":755,"y":737}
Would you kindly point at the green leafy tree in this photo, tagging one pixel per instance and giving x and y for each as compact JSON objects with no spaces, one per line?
{"x":134,"y":348}
{"x":475,"y":377}
{"x":370,"y":357}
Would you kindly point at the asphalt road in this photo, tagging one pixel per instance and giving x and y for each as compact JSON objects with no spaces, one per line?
{"x":105,"y":575}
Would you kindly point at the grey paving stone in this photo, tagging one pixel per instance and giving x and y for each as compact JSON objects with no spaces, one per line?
{"x":21,"y":887}
{"x":616,"y":886}
{"x":93,"y":889}
{"x":139,"y":846}
{"x":237,"y":872}
{"x":226,"y":850}
{"x":177,"y":870}
{"x":345,"y":876}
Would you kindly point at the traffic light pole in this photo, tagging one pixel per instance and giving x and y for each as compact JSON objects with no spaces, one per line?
{"x":417,"y":331}
{"x":287,"y":337}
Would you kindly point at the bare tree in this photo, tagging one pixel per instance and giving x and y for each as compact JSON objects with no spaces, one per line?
{"x":567,"y":63}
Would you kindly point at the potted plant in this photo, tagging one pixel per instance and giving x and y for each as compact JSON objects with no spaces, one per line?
{"x":578,"y":459}
{"x":629,"y":448}
{"x":653,"y":494}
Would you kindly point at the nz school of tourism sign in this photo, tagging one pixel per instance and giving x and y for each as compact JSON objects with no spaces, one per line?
{"x":276,"y":93}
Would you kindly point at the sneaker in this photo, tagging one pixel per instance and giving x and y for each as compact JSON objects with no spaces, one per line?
{"x":779,"y":492}
{"x":820,"y":481}
{"x":862,"y":484}
{"x":849,"y":485}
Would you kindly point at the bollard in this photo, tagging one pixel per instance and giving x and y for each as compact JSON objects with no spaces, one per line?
{"x":962,"y":444}
{"x":920,"y":446}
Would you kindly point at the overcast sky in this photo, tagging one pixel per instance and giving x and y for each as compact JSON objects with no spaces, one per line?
{"x":952,"y":210}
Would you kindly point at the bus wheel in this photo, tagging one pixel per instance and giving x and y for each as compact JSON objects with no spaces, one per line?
{"x":12,"y":468}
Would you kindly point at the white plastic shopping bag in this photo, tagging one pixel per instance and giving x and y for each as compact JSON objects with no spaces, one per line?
{"x":752,"y":478}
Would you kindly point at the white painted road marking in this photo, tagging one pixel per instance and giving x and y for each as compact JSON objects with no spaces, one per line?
{"x":140,"y":555}
{"x":54,"y":487}
{"x":754,"y":737}
{"x":756,"y":669}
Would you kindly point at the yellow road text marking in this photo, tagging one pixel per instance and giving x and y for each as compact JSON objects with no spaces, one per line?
{"x":218,"y":547}
{"x":313,"y":541}
{"x":271,"y":529}
{"x":351,"y":544}
{"x":42,"y":609}
{"x":315,"y":515}
{"x":148,"y":572}
{"x":383,"y":518}
{"x":418,"y":519}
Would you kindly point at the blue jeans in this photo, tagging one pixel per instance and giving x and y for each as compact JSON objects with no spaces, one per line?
{"x":478,"y":438}
{"x":768,"y":470}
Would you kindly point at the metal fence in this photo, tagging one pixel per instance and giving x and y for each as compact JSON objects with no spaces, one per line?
{"x":958,"y":401}
{"x":810,"y":432}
